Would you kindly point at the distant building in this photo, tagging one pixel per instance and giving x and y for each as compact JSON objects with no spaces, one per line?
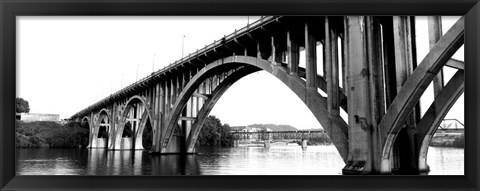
{"x":30,"y":117}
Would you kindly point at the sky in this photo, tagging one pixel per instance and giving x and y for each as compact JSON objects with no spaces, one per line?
{"x":65,"y":64}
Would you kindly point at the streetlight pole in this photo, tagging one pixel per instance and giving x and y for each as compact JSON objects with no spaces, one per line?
{"x":182,"y":44}
{"x":153,"y":63}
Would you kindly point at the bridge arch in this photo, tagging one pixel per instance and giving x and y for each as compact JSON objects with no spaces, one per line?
{"x":103,"y":123}
{"x":85,"y":119}
{"x":104,"y":111}
{"x":335,"y":125}
{"x":100,"y":129}
{"x":413,"y":88}
{"x":145,"y":114}
{"x":210,"y":103}
{"x":433,"y":117}
{"x":87,"y":122}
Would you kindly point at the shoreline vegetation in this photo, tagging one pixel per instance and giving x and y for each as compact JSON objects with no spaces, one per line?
{"x":215,"y":134}
{"x":46,"y":134}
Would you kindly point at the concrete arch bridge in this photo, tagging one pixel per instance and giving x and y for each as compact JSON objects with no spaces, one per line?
{"x":373,"y":57}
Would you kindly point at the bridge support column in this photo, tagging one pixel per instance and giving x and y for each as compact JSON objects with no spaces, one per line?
{"x":293,"y":54}
{"x":331,"y":68}
{"x":90,"y":132}
{"x":405,"y":152}
{"x":114,"y":123}
{"x":95,"y":142}
{"x":156,"y":117}
{"x":266,"y":143}
{"x":113,"y":126}
{"x":435,"y":33}
{"x":362,"y":97}
{"x":175,"y":144}
{"x":158,"y":129}
{"x":304,"y":144}
{"x":311,"y":58}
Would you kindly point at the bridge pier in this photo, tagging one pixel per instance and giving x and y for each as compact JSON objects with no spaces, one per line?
{"x":266,"y":143}
{"x":304,"y":144}
{"x":361,"y":158}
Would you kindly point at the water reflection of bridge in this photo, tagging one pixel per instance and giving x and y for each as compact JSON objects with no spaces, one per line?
{"x":138,"y":162}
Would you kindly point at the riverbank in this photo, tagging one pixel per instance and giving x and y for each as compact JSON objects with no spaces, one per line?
{"x":43,"y":134}
{"x":455,"y":142}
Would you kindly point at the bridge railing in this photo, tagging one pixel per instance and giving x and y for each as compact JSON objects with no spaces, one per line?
{"x":217,"y":43}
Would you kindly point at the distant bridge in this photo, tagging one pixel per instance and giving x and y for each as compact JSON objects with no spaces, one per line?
{"x":278,"y":135}
{"x":451,"y":124}
{"x":373,"y":56}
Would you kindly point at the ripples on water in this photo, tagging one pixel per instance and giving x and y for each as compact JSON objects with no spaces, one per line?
{"x":282,"y":160}
{"x":316,"y":160}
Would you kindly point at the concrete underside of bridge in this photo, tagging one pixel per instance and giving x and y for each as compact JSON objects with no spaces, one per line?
{"x":374,"y":59}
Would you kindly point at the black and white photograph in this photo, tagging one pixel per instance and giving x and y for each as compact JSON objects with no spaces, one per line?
{"x":240,"y":95}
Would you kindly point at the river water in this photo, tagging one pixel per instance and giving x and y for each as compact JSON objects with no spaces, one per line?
{"x":278,"y":160}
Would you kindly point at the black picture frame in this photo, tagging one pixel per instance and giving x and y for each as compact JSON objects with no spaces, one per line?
{"x":9,"y":9}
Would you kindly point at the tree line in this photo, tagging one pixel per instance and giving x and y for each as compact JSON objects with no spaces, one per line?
{"x":50,"y":134}
{"x":214,"y":133}
{"x":21,"y":105}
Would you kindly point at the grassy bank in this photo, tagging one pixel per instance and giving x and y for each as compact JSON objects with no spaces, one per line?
{"x":50,"y":135}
